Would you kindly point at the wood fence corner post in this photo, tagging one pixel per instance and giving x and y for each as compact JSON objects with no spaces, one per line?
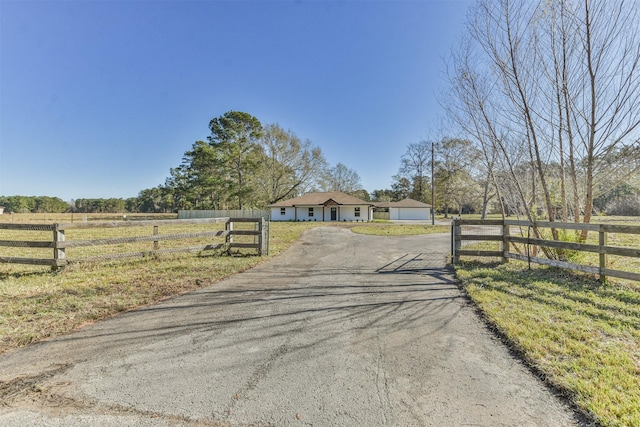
{"x":267,"y":235}
{"x":228,"y":226}
{"x":261,"y":238}
{"x":59,"y":254}
{"x":456,"y":241}
{"x":602,"y":242}
{"x":506,"y":233}
{"x":156,"y":243}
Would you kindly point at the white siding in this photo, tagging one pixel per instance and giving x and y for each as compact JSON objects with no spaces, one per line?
{"x":276,"y":214}
{"x":322,"y":213}
{"x":348,"y":213}
{"x":310,"y":213}
{"x":418,"y":214}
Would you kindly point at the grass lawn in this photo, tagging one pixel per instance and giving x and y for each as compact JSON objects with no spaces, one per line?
{"x":578,"y":334}
{"x":581,"y":336}
{"x":391,"y":229}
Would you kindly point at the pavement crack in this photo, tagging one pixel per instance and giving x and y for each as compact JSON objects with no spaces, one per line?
{"x":382,"y":383}
{"x":257,"y":376}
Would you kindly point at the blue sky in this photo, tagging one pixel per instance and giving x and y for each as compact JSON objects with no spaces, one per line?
{"x":101,"y":98}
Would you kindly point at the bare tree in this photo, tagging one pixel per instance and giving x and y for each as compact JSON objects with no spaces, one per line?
{"x":470,"y":104}
{"x":340,"y":178}
{"x":414,"y":165}
{"x":289,"y":166}
{"x":454,"y":165}
{"x":555,"y":86}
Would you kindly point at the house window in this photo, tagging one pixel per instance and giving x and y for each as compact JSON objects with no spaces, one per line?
{"x":283,"y":211}
{"x":357,"y":212}
{"x":310,"y":212}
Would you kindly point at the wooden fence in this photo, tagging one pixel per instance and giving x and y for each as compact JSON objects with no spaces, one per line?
{"x":59,"y":242}
{"x":526,"y":241}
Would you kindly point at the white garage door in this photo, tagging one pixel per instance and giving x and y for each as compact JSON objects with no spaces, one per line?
{"x":413,"y":213}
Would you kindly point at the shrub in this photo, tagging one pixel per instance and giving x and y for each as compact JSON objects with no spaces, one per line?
{"x":627,"y":206}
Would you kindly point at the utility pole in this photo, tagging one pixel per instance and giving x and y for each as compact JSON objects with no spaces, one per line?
{"x":433,"y":189}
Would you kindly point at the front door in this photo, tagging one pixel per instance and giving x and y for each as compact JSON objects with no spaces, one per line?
{"x":334,"y":214}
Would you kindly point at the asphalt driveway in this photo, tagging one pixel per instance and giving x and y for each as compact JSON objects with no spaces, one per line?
{"x":340,"y":330}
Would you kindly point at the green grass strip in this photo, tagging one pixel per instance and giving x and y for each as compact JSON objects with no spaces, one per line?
{"x":583,"y":336}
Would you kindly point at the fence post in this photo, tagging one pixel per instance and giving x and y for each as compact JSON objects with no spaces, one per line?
{"x":267,"y":233}
{"x":456,"y":242}
{"x":228,"y":226}
{"x":156,"y":244}
{"x":453,"y":238}
{"x":505,"y":242}
{"x":260,"y":224}
{"x":59,"y":254}
{"x":602,"y":241}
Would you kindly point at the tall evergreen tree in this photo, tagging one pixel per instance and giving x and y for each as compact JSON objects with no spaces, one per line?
{"x":235,"y":140}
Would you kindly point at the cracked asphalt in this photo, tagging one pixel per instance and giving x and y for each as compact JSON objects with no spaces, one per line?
{"x":340,"y":330}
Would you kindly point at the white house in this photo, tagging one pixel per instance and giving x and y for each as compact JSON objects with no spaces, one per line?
{"x":407,"y":209}
{"x":319,"y":206}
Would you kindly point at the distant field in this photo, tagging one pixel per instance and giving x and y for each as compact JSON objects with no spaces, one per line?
{"x":51,"y":218}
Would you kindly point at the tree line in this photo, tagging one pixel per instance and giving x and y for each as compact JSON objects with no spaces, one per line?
{"x":46,"y":204}
{"x":461,"y":181}
{"x":464,"y":185}
{"x":243,"y":164}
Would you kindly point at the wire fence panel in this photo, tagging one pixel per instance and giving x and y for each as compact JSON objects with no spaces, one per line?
{"x":478,"y":236}
{"x":59,"y":244}
{"x":590,"y":248}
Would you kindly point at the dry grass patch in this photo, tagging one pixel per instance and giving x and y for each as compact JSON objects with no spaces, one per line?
{"x":36,"y":303}
{"x":390,"y":229}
